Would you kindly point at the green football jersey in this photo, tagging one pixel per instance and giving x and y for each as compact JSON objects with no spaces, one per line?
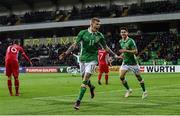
{"x":89,"y":45}
{"x":129,"y":44}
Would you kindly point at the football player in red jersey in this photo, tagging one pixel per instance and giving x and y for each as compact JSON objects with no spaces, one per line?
{"x":104,"y":63}
{"x":12,"y":65}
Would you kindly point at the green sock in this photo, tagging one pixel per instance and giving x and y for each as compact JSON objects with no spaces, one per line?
{"x":143,"y":86}
{"x":126,"y":85}
{"x":82,"y":92}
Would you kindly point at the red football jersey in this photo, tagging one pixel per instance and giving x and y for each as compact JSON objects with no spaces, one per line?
{"x":12,"y":52}
{"x":103,"y":57}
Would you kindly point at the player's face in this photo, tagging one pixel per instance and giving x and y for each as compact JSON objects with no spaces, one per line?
{"x":124,"y":33}
{"x":95,"y":26}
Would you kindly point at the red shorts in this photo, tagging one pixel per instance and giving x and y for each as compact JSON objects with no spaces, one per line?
{"x":103,"y":68}
{"x":12,"y":67}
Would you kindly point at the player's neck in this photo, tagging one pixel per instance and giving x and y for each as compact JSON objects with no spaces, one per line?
{"x":125,"y":38}
{"x":90,"y":29}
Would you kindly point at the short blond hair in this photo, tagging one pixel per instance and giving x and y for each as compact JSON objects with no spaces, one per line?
{"x":94,"y":19}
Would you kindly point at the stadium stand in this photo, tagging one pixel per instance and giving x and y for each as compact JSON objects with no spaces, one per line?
{"x":153,"y":49}
{"x":76,"y":13}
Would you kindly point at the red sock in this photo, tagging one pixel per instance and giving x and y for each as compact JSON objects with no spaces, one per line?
{"x":16,"y":83}
{"x":106,"y":78}
{"x":99,"y":76}
{"x":9,"y":83}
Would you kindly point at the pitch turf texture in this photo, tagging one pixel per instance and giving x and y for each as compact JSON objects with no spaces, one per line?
{"x":55,"y":94}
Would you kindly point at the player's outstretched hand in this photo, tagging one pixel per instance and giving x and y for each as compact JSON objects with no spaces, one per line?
{"x":31,"y":64}
{"x":110,"y":64}
{"x":120,"y":57}
{"x":61,"y":56}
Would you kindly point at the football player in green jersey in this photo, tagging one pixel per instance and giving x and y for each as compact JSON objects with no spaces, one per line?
{"x":128,"y":51}
{"x":89,"y":39}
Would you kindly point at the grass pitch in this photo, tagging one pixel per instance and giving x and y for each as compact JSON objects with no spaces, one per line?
{"x":55,"y":94}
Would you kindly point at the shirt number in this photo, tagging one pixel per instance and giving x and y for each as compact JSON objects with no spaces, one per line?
{"x":91,"y":42}
{"x":13,"y":50}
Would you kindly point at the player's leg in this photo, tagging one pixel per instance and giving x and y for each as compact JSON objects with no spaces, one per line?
{"x":83,"y":86}
{"x":16,"y":83}
{"x":89,"y":69}
{"x":106,"y":78}
{"x":82,"y":71}
{"x":100,"y":71}
{"x":16,"y":75}
{"x":136,"y":71}
{"x":123,"y":70}
{"x":141,"y":81}
{"x":106,"y":74}
{"x":86,"y":68}
{"x":9,"y":83}
{"x":82,"y":90}
{"x":8,"y":74}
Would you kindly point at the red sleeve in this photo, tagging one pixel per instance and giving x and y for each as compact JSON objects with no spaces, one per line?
{"x":24,"y":54}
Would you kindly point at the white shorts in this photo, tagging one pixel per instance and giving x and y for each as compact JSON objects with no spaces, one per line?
{"x":134,"y":68}
{"x":88,"y":67}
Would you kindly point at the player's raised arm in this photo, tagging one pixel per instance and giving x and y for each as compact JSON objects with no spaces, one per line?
{"x":110,"y":51}
{"x":73,"y":46}
{"x":69,"y":50}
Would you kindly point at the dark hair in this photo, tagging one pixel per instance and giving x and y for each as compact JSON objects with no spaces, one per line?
{"x":15,"y":42}
{"x":124,"y":28}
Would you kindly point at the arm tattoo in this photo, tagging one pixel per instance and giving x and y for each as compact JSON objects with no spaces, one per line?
{"x":109,"y":50}
{"x":71,"y":48}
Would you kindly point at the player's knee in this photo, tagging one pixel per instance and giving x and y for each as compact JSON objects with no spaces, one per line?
{"x":141,"y":81}
{"x":83,"y":86}
{"x":84,"y":83}
{"x":139,"y":78}
{"x":122,"y":79}
{"x":16,"y":77}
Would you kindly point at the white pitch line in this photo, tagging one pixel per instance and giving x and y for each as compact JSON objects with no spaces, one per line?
{"x":112,"y":91}
{"x":94,"y":101}
{"x":59,"y":98}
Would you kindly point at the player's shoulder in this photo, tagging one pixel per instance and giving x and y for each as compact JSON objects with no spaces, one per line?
{"x":99,"y":50}
{"x":83,"y":31}
{"x":17,"y":46}
{"x":131,"y":39}
{"x":102,"y":51}
{"x":100,"y":34}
